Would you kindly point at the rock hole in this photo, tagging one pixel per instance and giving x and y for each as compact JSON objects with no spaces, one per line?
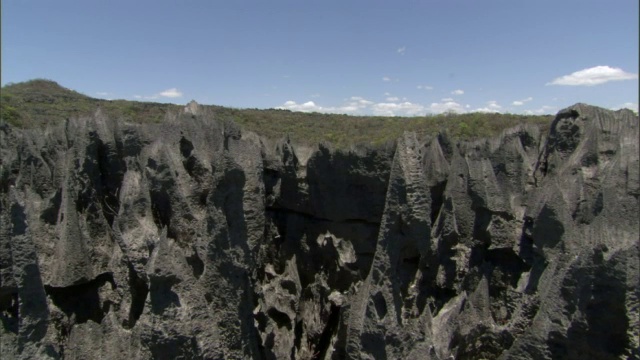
{"x":9,"y":311}
{"x":82,"y":300}
{"x":196,"y":264}
{"x":297,"y":340}
{"x":152,"y":164}
{"x":510,"y":263}
{"x":161,"y":207}
{"x":186,"y":147}
{"x":481,"y":225}
{"x":162,"y":296}
{"x":270,"y":178}
{"x":261,"y":321}
{"x":329,"y":331}
{"x":437,"y":199}
{"x":50,"y":214}
{"x":290,"y":286}
{"x":112,"y":169}
{"x":174,"y":347}
{"x":139,"y":291}
{"x":281,"y":319}
{"x":380,"y":304}
{"x":202,"y":198}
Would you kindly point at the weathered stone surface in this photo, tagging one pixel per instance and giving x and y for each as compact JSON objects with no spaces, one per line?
{"x":192,"y":239}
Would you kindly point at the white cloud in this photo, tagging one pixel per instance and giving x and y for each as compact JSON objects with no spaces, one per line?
{"x":361,"y":106}
{"x":446,"y":99}
{"x":457,"y":92}
{"x":359,"y":102}
{"x":446,"y":106}
{"x":102,"y":93}
{"x":140,"y":97}
{"x":315,"y":95}
{"x":353,"y":105}
{"x":394,"y":109}
{"x":386,"y":79}
{"x":491,"y":106}
{"x":171,"y":93}
{"x":593,"y":76}
{"x":521,"y":102}
{"x":402,"y":50}
{"x":628,"y":105}
{"x":392,"y":98}
{"x":309,"y":106}
{"x":545,"y":109}
{"x":424,"y":87}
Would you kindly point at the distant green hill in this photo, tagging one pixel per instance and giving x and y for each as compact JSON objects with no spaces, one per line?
{"x":39,"y":102}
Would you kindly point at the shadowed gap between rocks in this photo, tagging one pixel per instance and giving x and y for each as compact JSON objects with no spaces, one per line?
{"x":82,"y":300}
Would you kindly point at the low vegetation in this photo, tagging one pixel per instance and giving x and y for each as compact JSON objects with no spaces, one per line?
{"x":37,"y":103}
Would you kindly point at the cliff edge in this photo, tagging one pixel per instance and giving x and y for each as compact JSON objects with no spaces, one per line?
{"x":193,"y":239}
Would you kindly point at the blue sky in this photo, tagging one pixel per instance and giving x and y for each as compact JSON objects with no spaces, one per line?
{"x":356,"y":57}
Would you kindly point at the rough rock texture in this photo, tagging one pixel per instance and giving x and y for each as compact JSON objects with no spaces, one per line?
{"x":190,"y":239}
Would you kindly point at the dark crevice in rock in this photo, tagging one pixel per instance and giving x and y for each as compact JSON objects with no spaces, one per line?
{"x":557,"y":345}
{"x":111,"y":168}
{"x":190,"y":163}
{"x":446,"y":145}
{"x":328,"y":332}
{"x":407,"y":268}
{"x":139,"y":291}
{"x":203,"y":197}
{"x":289,"y":286}
{"x":194,"y":168}
{"x":196,"y":264}
{"x":439,"y":297}
{"x":18,"y":220}
{"x":511,"y":265}
{"x":9,"y":311}
{"x":480,"y":226}
{"x":437,"y":199}
{"x":598,"y":293}
{"x":380,"y":304}
{"x":297,"y":338}
{"x":82,"y":300}
{"x":278,"y":209}
{"x":526,"y":251}
{"x":280,"y":318}
{"x":161,"y":208}
{"x":162,"y":296}
{"x":173,"y":347}
{"x":186,"y":147}
{"x":261,"y":321}
{"x":270,"y":178}
{"x":50,"y":214}
{"x":547,"y":230}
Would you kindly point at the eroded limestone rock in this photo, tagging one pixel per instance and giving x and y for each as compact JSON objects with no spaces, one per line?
{"x":193,"y":239}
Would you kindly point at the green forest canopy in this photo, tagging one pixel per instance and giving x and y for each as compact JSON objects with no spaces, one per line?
{"x":37,"y":103}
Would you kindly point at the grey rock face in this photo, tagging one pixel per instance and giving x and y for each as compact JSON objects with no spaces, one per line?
{"x":191,"y":239}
